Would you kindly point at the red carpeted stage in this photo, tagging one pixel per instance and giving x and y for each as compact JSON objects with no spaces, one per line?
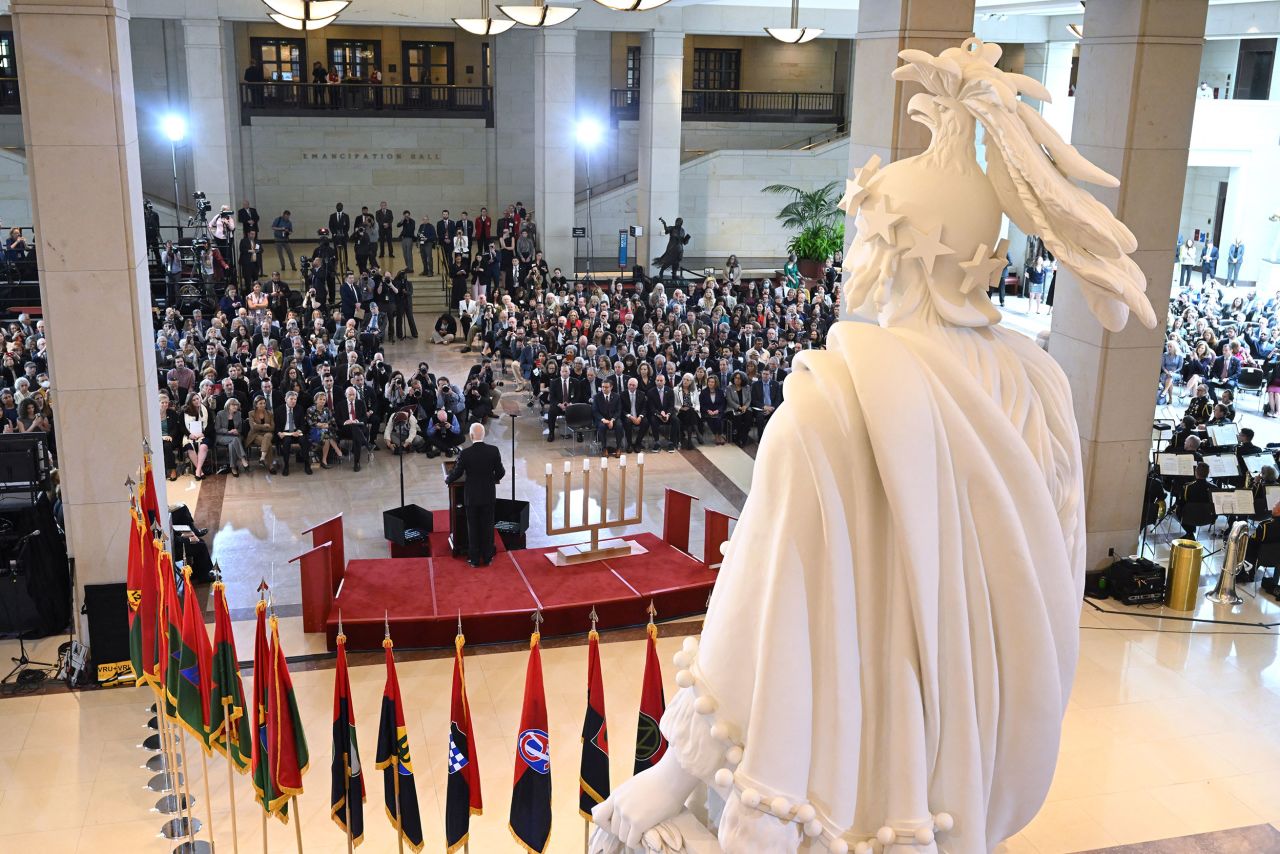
{"x":425,"y":595}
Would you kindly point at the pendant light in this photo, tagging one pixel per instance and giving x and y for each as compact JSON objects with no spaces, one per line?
{"x":485,"y":25}
{"x":539,"y":14}
{"x":305,"y":15}
{"x":795,"y":34}
{"x":632,"y":5}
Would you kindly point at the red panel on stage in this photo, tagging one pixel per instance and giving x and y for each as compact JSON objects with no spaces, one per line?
{"x":715,"y":533}
{"x":676,"y":507}
{"x":424,"y":596}
{"x":317,"y":594}
{"x":330,"y":531}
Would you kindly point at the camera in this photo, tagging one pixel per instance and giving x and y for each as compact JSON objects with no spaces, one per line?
{"x":203,"y":205}
{"x":147,"y":206}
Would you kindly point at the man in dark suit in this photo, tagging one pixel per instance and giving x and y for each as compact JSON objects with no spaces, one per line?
{"x":560,"y":393}
{"x":385,"y":220}
{"x":1225,"y":372}
{"x":445,"y":230}
{"x":350,"y":296}
{"x":635,"y":414}
{"x":481,"y":465}
{"x":292,"y":431}
{"x":248,"y":217}
{"x":662,"y":414}
{"x":340,"y":230}
{"x":352,"y":418}
{"x":766,"y":396}
{"x":607,"y":409}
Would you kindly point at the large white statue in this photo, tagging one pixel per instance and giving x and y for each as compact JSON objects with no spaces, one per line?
{"x":890,"y":646}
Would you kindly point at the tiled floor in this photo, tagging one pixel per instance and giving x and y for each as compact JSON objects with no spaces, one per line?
{"x":1173,"y":726}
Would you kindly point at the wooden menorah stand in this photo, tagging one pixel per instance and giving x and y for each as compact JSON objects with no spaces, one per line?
{"x":594,"y":522}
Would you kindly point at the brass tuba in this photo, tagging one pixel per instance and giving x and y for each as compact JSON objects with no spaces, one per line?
{"x":1233,"y":563}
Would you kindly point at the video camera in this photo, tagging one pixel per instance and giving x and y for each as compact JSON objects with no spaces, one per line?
{"x":203,"y":205}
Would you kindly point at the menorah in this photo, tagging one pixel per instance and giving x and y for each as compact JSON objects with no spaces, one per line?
{"x":595,"y":549}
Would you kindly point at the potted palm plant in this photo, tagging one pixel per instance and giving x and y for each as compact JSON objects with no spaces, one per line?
{"x":817,"y":222}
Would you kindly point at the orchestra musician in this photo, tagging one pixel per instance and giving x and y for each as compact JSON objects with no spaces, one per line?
{"x":1197,"y":491}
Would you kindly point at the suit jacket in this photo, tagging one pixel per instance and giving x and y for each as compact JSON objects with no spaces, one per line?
{"x":1197,"y":492}
{"x":299,"y":417}
{"x":341,"y":411}
{"x":642,"y":403}
{"x":248,"y":218}
{"x":581,"y":389}
{"x":481,"y":464}
{"x":606,"y":408}
{"x":445,"y":230}
{"x":350,"y":296}
{"x":340,"y":224}
{"x":662,"y":400}
{"x":1233,"y":369}
{"x":775,"y":393}
{"x":384,"y":219}
{"x":557,"y":395}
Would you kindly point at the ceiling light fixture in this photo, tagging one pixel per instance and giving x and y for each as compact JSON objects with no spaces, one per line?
{"x":305,"y":15}
{"x":485,"y":25}
{"x":795,"y":34}
{"x":539,"y":14}
{"x":632,"y":5}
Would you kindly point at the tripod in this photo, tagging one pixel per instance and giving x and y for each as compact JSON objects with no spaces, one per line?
{"x":21,"y":662}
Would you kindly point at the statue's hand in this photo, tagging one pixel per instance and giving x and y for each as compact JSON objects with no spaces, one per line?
{"x":663,"y":839}
{"x":633,"y":814}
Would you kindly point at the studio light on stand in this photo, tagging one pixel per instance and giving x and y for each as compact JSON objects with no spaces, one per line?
{"x":589,"y":133}
{"x":485,"y":25}
{"x":174,"y":127}
{"x":539,"y":14}
{"x":795,"y":34}
{"x":632,"y":5}
{"x":305,"y":15}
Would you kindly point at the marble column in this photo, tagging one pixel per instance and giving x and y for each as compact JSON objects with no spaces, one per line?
{"x":1135,"y":100}
{"x":554,"y":114}
{"x":878,"y":121}
{"x":1060,"y":112}
{"x":211,"y":131}
{"x":661,"y":102}
{"x":81,"y":139}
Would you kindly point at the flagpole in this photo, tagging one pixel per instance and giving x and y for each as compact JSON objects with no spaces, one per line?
{"x":208,"y":801}
{"x":231,"y":779}
{"x":191,"y":834}
{"x":399,"y":824}
{"x":347,"y":807}
{"x":297,"y":823}
{"x":264,"y":830}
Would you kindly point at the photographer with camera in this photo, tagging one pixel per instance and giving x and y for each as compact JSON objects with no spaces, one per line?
{"x":408,"y":230}
{"x":282,"y":231}
{"x":362,"y":238}
{"x":151,"y":224}
{"x":404,"y":305}
{"x":223,"y":232}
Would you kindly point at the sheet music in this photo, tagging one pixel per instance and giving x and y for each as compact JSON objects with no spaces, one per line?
{"x":1273,"y":496}
{"x":1223,"y":465}
{"x":1223,"y":502}
{"x":1255,"y":462}
{"x":1177,"y":465}
{"x":1224,"y":434}
{"x":1233,"y":502}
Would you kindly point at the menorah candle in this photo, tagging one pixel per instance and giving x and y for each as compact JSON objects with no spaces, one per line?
{"x":640,"y":459}
{"x":622,"y":461}
{"x":568,"y":466}
{"x":548,"y":469}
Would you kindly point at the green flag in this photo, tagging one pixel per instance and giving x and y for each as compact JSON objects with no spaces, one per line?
{"x":228,"y":721}
{"x":194,"y":686}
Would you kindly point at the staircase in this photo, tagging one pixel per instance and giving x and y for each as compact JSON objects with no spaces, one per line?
{"x":429,"y":297}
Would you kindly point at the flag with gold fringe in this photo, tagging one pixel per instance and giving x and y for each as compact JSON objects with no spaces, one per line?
{"x":393,"y":760}
{"x":593,"y":776}
{"x":650,"y":743}
{"x":346,"y":789}
{"x":228,"y":713}
{"x":463,"y":791}
{"x":530,"y":820}
{"x":193,"y":660}
{"x":264,"y":780}
{"x":141,"y":584}
{"x":286,"y":742}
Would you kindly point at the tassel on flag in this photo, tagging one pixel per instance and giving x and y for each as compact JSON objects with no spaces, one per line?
{"x":530,"y":820}
{"x":193,"y":659}
{"x":393,"y":760}
{"x":346,"y":790}
{"x":264,"y":781}
{"x":463,"y":793}
{"x":593,"y":778}
{"x":229,"y":723}
{"x":286,"y":743}
{"x":650,"y":743}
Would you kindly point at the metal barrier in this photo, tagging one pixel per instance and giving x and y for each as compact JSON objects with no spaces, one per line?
{"x":290,"y":99}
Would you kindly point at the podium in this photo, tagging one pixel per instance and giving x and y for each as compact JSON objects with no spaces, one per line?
{"x":457,"y":512}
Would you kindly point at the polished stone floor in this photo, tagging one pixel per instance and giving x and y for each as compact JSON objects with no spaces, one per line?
{"x":1173,"y":727}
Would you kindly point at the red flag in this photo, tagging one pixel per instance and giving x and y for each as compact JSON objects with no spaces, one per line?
{"x":193,"y":660}
{"x":263,"y":779}
{"x":286,"y":743}
{"x":462,"y":799}
{"x":142,"y":606}
{"x":530,"y":820}
{"x":593,"y":776}
{"x":650,"y":744}
{"x":170,"y":628}
{"x":147,"y":498}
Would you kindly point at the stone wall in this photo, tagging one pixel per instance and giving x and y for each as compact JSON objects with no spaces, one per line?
{"x":1200,"y":200}
{"x":15,"y":189}
{"x":306,"y":165}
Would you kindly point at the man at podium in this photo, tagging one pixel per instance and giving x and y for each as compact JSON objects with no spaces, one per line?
{"x":480,"y":467}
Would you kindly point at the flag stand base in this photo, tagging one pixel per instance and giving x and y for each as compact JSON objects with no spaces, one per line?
{"x":157,"y":764}
{"x":151,"y":742}
{"x":197,"y":847}
{"x":154,"y":723}
{"x":162,"y":782}
{"x":176,"y":828}
{"x":170,"y":804}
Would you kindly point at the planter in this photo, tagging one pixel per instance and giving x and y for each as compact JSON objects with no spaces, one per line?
{"x":810,"y":269}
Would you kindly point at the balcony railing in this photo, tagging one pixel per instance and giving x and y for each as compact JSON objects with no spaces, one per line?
{"x":291,"y":99}
{"x":742,"y":106}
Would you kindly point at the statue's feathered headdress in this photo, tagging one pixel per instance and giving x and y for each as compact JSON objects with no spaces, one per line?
{"x":1031,"y":167}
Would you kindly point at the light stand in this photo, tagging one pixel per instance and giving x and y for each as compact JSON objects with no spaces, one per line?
{"x":512,"y":411}
{"x":591,"y":246}
{"x":589,"y":133}
{"x":175,"y":129}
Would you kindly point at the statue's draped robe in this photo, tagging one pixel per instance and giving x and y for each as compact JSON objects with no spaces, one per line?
{"x":894,"y":630}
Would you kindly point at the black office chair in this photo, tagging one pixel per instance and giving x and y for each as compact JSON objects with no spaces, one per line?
{"x":1251,"y":380}
{"x":1195,"y":515}
{"x":1269,"y":558}
{"x":579,"y":420}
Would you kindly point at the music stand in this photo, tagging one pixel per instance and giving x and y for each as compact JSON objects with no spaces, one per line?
{"x":511,"y":409}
